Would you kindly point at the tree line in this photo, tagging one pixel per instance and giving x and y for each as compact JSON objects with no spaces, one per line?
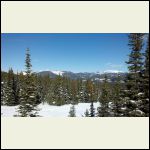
{"x":27,"y":89}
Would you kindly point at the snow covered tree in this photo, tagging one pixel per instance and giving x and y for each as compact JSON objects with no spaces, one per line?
{"x":58,"y":91}
{"x":27,"y":107}
{"x":3,"y":95}
{"x":145,"y":95}
{"x":72,"y":112}
{"x":134,"y":82}
{"x":10,"y":90}
{"x":80,"y":91}
{"x":146,"y":71}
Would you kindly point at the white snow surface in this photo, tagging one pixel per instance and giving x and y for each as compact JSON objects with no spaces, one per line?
{"x":47,"y":110}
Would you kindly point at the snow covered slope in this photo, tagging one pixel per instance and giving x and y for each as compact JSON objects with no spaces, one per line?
{"x":50,"y":111}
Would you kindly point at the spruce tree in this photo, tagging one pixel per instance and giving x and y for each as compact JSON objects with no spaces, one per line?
{"x":10,"y":89}
{"x":27,"y":107}
{"x":92,"y":109}
{"x":145,"y":98}
{"x":72,"y":112}
{"x":135,"y":66}
{"x":117,"y":97}
{"x":3,"y":95}
{"x":87,"y":113}
{"x":146,"y":71}
{"x":103,"y":109}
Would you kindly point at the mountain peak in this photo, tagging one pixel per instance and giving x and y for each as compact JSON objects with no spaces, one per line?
{"x":113,"y":71}
{"x":57,"y":72}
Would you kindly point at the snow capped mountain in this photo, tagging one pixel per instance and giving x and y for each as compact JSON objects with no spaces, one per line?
{"x":57,"y":72}
{"x":113,"y":71}
{"x":111,"y":74}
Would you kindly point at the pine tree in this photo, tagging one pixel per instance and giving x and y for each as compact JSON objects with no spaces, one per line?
{"x":72,"y":112}
{"x":103,"y":110}
{"x":145,"y":98}
{"x":28,"y":104}
{"x":3,"y":95}
{"x":58,"y":91}
{"x":87,"y":113}
{"x":117,"y":98}
{"x":74,"y":92}
{"x":146,"y":71}
{"x":92,"y":109}
{"x":10,"y":92}
{"x":135,"y":66}
{"x":81,"y":91}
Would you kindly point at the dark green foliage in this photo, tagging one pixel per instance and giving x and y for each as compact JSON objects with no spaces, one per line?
{"x":92,"y":110}
{"x":146,"y":71}
{"x":135,"y":64}
{"x":117,"y":96}
{"x":28,"y":101}
{"x":87,"y":113}
{"x":72,"y":112}
{"x":11,"y":89}
{"x":103,"y":110}
{"x":128,"y":98}
{"x":145,"y":98}
{"x":135,"y":77}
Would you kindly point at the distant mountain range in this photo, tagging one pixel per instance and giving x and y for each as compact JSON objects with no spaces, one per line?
{"x":111,"y":74}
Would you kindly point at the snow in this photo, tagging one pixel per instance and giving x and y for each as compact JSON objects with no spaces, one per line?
{"x":140,"y":93}
{"x":147,"y":99}
{"x":139,"y":111}
{"x":57,"y":72}
{"x":32,"y":96}
{"x":132,"y":101}
{"x":47,"y":110}
{"x":123,"y":108}
{"x":112,"y":71}
{"x":24,"y":73}
{"x":8,"y":111}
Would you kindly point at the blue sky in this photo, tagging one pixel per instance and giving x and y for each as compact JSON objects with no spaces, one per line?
{"x":70,"y":52}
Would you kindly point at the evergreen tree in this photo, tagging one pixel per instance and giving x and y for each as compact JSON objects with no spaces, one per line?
{"x":58,"y":91}
{"x":80,"y":91}
{"x":27,"y":107}
{"x":47,"y":89}
{"x":74,"y":92}
{"x":135,"y":66}
{"x":92,"y":110}
{"x":146,"y":71}
{"x":72,"y":112}
{"x":3,"y":95}
{"x":103,"y":110}
{"x":87,"y":113}
{"x":117,"y":98}
{"x":145,"y":97}
{"x":10,"y":92}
